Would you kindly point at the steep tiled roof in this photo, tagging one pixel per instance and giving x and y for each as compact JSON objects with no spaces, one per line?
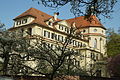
{"x":40,"y":16}
{"x":82,"y":22}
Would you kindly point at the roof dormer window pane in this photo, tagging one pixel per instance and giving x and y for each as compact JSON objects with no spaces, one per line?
{"x":24,"y":21}
{"x":50,"y":23}
{"x":18,"y":23}
{"x":61,"y":27}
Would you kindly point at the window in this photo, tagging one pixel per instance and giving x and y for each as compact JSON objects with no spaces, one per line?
{"x":60,"y":38}
{"x":79,"y":44}
{"x":50,"y":23}
{"x":55,"y":37}
{"x":18,"y":23}
{"x":97,"y":57}
{"x":95,"y":30}
{"x":52,"y":35}
{"x":84,"y":45}
{"x":24,"y":21}
{"x":84,"y":31}
{"x":68,"y":31}
{"x":73,"y":42}
{"x":47,"y":34}
{"x":61,"y":27}
{"x":21,"y":22}
{"x":95,"y":43}
{"x":102,"y":31}
{"x":65,"y":29}
{"x":92,"y":56}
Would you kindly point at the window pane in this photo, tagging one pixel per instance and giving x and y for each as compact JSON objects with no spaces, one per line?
{"x":24,"y":21}
{"x":45,"y":33}
{"x":52,"y":35}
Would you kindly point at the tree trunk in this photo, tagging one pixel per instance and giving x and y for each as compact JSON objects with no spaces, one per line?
{"x":5,"y":64}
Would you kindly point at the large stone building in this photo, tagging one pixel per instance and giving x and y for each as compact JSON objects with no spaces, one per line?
{"x":91,"y":44}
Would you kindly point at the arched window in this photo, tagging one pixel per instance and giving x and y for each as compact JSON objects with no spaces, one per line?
{"x":95,"y":43}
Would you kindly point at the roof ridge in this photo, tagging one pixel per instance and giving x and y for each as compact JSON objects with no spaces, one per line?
{"x":30,"y":12}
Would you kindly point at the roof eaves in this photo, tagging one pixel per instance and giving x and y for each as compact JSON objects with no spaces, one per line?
{"x":24,"y":16}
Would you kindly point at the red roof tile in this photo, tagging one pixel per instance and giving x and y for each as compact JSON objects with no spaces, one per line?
{"x":40,"y":16}
{"x":82,"y":22}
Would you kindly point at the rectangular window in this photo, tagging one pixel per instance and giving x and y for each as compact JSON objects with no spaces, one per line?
{"x":65,"y":29}
{"x":79,"y":44}
{"x":18,"y":23}
{"x":52,"y":35}
{"x":68,"y":31}
{"x":55,"y":37}
{"x":24,"y":21}
{"x":47,"y":34}
{"x":60,"y":38}
{"x":73,"y":42}
{"x":61,"y":27}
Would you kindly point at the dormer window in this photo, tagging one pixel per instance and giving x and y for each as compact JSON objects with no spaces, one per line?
{"x":65,"y":29}
{"x":61,"y":27}
{"x":50,"y":23}
{"x":24,"y":21}
{"x":18,"y":23}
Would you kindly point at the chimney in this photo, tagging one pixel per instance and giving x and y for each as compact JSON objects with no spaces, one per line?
{"x":55,"y":15}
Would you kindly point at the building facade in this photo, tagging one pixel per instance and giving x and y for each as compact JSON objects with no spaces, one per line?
{"x":91,"y":43}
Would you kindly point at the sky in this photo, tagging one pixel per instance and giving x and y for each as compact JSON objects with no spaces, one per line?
{"x":9,"y":9}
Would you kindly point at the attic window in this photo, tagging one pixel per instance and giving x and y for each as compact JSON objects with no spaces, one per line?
{"x":18,"y":23}
{"x":61,"y":27}
{"x":24,"y":21}
{"x":50,"y":23}
{"x":84,"y":31}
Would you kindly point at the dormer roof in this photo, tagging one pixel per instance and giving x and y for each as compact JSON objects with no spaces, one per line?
{"x":40,"y":16}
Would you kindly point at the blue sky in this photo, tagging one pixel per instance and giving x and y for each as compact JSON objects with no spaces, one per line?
{"x":9,"y":9}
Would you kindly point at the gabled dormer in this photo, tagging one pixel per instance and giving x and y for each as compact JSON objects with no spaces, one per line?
{"x":23,"y":21}
{"x":52,"y":20}
{"x":63,"y":26}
